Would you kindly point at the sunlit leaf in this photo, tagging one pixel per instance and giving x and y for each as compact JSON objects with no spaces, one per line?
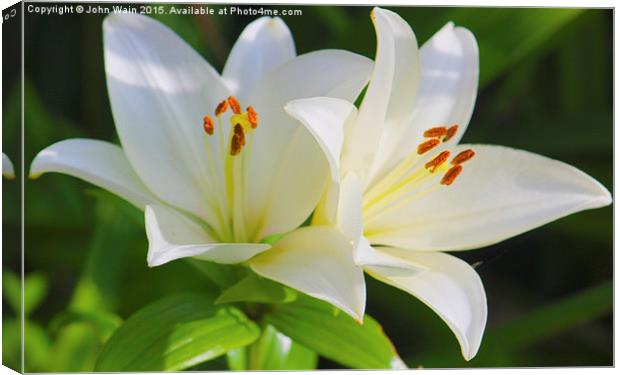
{"x":254,"y":288}
{"x":176,"y":333}
{"x":237,"y":359}
{"x":276,"y":351}
{"x":338,"y":337}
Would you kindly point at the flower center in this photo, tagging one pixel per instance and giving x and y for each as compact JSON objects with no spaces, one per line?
{"x":241,"y":123}
{"x":224,"y":146}
{"x":417,"y":175}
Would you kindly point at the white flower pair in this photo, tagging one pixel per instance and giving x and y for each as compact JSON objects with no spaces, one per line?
{"x":219,"y":163}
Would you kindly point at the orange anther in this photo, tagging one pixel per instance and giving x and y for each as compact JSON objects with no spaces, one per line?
{"x":252,"y":117}
{"x":437,"y":161}
{"x":427,"y":145}
{"x":439,"y":131}
{"x":463,"y":156}
{"x":234,"y":105}
{"x":238,"y":140}
{"x":221,"y":108}
{"x":451,"y":175}
{"x":239,"y":132}
{"x":451,"y":132}
{"x":207,"y":124}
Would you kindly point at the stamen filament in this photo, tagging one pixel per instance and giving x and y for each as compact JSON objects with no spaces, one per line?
{"x":371,"y":217}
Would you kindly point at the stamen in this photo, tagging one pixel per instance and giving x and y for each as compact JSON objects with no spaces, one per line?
{"x":221,"y":108}
{"x":239,"y":132}
{"x":207,"y":124}
{"x":238,"y":140}
{"x":451,"y":132}
{"x":437,"y":161}
{"x":439,"y":131}
{"x":427,"y":146}
{"x":252,"y":117}
{"x":463,"y":157}
{"x":234,"y":105}
{"x":451,"y":175}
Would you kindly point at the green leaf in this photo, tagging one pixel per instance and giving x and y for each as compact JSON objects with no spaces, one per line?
{"x":104,"y":323}
{"x":276,"y":351}
{"x":506,"y":36}
{"x":35,"y":286}
{"x":552,"y":319}
{"x":12,"y":290}
{"x":75,"y":349}
{"x":97,"y":289}
{"x":237,"y":359}
{"x":176,"y":333}
{"x":222,"y":275}
{"x":36,"y":345}
{"x":254,"y":288}
{"x":501,"y":342}
{"x":35,"y":290}
{"x":11,"y":343}
{"x":339,"y":337}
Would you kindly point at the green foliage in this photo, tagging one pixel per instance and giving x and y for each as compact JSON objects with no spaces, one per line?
{"x":220,"y":274}
{"x":75,"y":348}
{"x":97,"y":289}
{"x":506,"y":36}
{"x":175,"y":333}
{"x":35,"y":291}
{"x":276,"y":351}
{"x":336,"y":336}
{"x":12,"y":290}
{"x":254,"y":288}
{"x":102,"y":322}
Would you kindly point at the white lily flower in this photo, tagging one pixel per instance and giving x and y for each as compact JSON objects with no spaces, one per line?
{"x":404,"y":191}
{"x":214,"y":178}
{"x":7,"y":167}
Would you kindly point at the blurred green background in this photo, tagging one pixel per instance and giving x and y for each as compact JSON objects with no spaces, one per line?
{"x":545,"y":86}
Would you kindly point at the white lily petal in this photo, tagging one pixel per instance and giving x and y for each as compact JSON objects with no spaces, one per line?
{"x":387,"y":104}
{"x":286,"y":171}
{"x":502,"y":192}
{"x":101,"y":163}
{"x":7,"y":167}
{"x":349,"y":216}
{"x":160,"y":89}
{"x":447,"y":285}
{"x":264,"y":44}
{"x":366,"y":255}
{"x":173,"y":235}
{"x":447,"y":91}
{"x":317,"y":261}
{"x":325,"y":119}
